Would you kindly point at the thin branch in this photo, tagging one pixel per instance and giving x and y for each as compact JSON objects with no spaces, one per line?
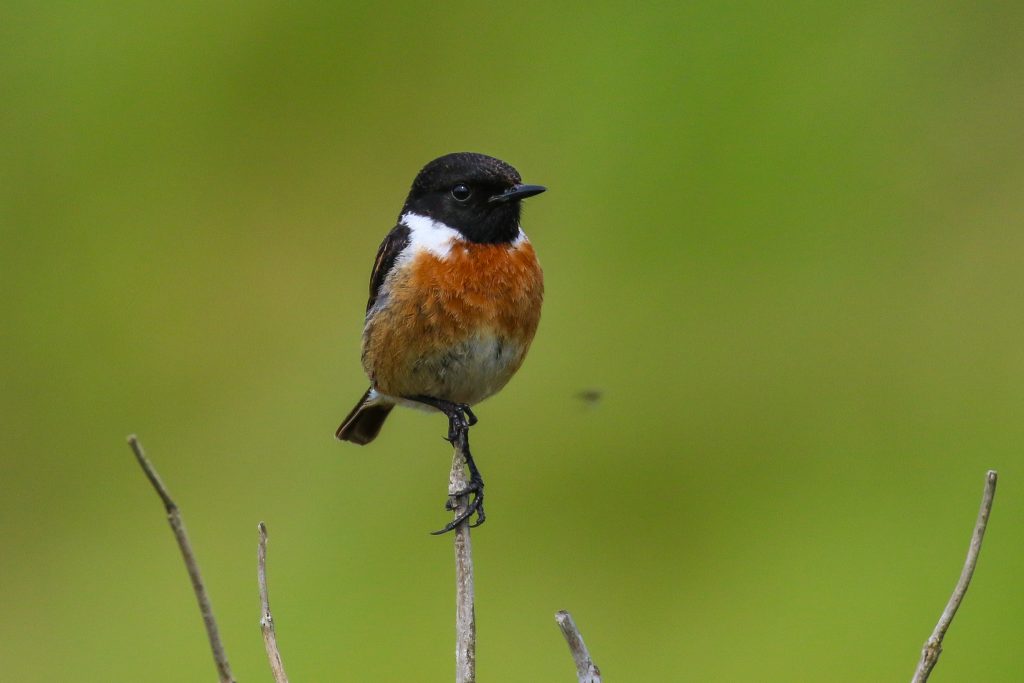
{"x":266,"y":619}
{"x":465,"y":615}
{"x":933,"y":646}
{"x":220,"y":658}
{"x":586,"y":670}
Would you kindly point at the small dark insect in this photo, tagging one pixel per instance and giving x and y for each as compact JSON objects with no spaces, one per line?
{"x":590,"y":397}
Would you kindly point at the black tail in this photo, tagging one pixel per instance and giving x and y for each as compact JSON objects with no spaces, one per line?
{"x":364,"y":422}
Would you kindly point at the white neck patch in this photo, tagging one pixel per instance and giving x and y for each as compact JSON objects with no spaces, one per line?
{"x":427,"y":234}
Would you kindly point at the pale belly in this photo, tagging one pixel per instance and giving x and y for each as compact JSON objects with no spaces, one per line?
{"x":466,"y":372}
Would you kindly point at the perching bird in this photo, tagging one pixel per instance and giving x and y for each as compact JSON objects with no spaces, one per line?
{"x":455,"y":299}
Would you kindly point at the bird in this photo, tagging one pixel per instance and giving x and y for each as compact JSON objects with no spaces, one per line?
{"x":455,"y":299}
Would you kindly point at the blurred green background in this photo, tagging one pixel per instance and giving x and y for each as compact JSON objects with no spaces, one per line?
{"x":783,"y":241}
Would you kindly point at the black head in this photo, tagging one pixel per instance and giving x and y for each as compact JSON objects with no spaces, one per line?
{"x":475,"y":194}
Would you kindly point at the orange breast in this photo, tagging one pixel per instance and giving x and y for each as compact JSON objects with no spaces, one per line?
{"x":447,"y":322}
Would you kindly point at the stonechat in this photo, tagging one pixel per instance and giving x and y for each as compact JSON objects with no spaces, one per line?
{"x":455,"y":299}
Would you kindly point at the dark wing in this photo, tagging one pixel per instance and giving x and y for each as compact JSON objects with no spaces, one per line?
{"x":393,"y":244}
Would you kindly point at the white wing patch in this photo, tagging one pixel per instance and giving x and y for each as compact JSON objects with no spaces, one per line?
{"x":427,"y":234}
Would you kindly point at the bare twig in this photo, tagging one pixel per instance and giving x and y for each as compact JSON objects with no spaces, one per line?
{"x":586,"y":670}
{"x":266,"y":620}
{"x":220,"y":658}
{"x":933,"y":646}
{"x":465,"y":616}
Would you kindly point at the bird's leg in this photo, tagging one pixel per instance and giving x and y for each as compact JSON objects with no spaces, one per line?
{"x":476,"y":483}
{"x":460,"y":419}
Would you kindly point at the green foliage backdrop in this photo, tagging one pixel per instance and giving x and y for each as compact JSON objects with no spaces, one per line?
{"x":782,"y":240}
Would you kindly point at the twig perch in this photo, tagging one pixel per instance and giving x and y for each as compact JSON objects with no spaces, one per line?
{"x":465,"y":615}
{"x":586,"y":670}
{"x":266,"y":619}
{"x":933,"y":646}
{"x":220,"y":658}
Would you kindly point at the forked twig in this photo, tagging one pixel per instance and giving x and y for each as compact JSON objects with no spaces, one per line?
{"x":220,"y":658}
{"x":586,"y":670}
{"x":933,"y":646}
{"x":266,"y":619}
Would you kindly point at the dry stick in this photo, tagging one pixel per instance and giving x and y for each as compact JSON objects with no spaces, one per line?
{"x":465,"y":617}
{"x":220,"y":658}
{"x":586,"y":670}
{"x":267,"y":620}
{"x":933,"y":646}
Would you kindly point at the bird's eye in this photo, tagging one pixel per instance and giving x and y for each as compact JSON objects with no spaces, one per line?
{"x":461,"y":192}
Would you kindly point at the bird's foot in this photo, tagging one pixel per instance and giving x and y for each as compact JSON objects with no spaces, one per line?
{"x":474,"y":487}
{"x":470,"y":500}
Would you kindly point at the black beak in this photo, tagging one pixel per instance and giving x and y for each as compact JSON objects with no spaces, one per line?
{"x":517,"y":192}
